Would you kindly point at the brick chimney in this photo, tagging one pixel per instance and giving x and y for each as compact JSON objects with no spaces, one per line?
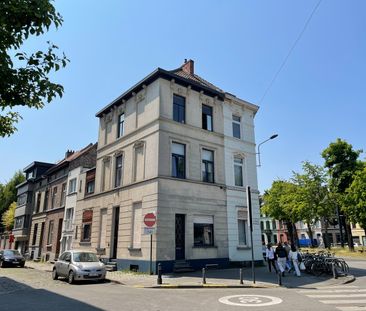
{"x":188,"y":66}
{"x":69,"y":153}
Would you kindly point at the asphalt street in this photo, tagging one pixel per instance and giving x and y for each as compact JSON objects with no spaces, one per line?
{"x":37,"y":291}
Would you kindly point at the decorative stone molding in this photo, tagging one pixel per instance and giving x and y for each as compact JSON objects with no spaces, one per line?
{"x":118,"y":153}
{"x":172,"y":83}
{"x":139,"y":144}
{"x":106,"y":159}
{"x":239,"y":155}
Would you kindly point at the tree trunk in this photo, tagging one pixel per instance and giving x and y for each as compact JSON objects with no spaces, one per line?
{"x":310,"y":232}
{"x":290,"y":230}
{"x":349,"y":237}
{"x":326,"y":238}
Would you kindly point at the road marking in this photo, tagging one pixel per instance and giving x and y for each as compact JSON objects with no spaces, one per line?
{"x":332,"y":291}
{"x":337,"y":296}
{"x":250,"y":300}
{"x":339,"y":286}
{"x":356,"y":308}
{"x":333,"y":302}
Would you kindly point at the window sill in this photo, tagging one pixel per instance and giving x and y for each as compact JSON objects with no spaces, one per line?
{"x":72,"y":193}
{"x":84,"y":243}
{"x":243,"y":247}
{"x":132,"y":249}
{"x":204,"y":246}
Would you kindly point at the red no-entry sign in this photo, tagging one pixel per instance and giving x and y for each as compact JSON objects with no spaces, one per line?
{"x":150,"y":219}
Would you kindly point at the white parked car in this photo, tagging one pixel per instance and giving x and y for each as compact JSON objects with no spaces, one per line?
{"x":79,"y":265}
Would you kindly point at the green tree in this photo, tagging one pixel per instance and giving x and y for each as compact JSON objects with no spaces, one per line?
{"x":311,"y":194}
{"x":24,"y":78}
{"x":7,"y":219}
{"x":8,"y":192}
{"x":355,"y":203}
{"x":280,"y":203}
{"x":342,"y":163}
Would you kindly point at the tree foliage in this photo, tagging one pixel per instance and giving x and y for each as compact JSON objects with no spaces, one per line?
{"x":8,"y":191}
{"x":342,"y":163}
{"x":24,"y":78}
{"x":7,"y":219}
{"x":355,"y":202}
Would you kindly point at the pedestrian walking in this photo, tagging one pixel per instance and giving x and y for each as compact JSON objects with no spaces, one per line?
{"x":294,"y":257}
{"x":287,"y":247}
{"x":281,"y":258}
{"x":271,"y":257}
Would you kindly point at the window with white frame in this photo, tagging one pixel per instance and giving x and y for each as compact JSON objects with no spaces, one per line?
{"x":50,"y":233}
{"x":118,"y":172}
{"x":207,"y":165}
{"x":242,"y":227}
{"x":203,"y":230}
{"x":178,"y":160}
{"x":136,"y":225}
{"x":236,"y":126}
{"x":238,"y":171}
{"x":72,"y":185}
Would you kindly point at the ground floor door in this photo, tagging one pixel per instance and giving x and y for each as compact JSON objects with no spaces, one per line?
{"x":59,"y":232}
{"x":41,"y":240}
{"x":180,"y":234}
{"x":115,"y":227}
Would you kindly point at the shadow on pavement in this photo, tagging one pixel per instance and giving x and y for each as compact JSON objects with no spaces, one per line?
{"x":18,"y":296}
{"x":262,"y":275}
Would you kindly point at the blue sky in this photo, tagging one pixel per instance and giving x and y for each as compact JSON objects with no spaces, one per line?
{"x":237,"y":45}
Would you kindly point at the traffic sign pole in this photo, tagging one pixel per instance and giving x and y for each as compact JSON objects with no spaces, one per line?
{"x":150,"y":220}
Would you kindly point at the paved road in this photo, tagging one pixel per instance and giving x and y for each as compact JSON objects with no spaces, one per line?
{"x":36,"y":290}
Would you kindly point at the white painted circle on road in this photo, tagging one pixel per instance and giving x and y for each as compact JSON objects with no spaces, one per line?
{"x":250,"y":300}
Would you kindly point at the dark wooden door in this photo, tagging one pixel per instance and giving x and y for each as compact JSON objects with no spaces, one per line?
{"x":180,"y":233}
{"x":115,"y":232}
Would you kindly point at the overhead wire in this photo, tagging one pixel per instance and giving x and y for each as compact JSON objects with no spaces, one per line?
{"x":290,"y":51}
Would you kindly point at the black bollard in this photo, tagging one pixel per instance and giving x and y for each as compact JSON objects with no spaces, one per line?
{"x":241,"y":276}
{"x":203,"y":276}
{"x":280,"y":278}
{"x":160,"y":281}
{"x":335,"y":275}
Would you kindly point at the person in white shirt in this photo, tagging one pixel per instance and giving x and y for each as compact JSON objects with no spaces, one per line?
{"x":293,"y":256}
{"x":271,"y":257}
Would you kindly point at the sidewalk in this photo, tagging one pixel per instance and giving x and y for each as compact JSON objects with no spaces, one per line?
{"x":220,"y":278}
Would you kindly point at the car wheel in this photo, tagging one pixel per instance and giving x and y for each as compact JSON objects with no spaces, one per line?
{"x":22,"y":265}
{"x":71,"y":277}
{"x":3,"y":264}
{"x":54,"y":274}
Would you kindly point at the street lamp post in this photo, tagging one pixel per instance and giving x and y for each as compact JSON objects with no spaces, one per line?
{"x":250,"y":212}
{"x":258,"y":150}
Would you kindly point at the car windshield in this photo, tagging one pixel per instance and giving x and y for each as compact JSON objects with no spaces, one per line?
{"x":11,"y":253}
{"x":85,"y":257}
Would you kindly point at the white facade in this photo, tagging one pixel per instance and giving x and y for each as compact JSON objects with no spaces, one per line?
{"x":72,"y":187}
{"x":241,"y":148}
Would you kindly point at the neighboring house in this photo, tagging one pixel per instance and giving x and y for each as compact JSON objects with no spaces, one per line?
{"x":162,"y":149}
{"x":358,"y":234}
{"x":50,"y":200}
{"x":274,"y":231}
{"x":270,"y":229}
{"x":75,"y":186}
{"x":25,"y":204}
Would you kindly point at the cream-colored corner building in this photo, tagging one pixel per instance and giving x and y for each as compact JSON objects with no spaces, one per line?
{"x":165,"y":146}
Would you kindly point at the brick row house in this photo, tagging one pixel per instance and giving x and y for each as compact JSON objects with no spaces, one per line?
{"x":52,"y":192}
{"x":177,"y":146}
